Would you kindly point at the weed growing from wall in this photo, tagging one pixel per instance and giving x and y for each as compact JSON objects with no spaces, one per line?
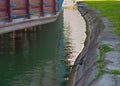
{"x":100,"y":63}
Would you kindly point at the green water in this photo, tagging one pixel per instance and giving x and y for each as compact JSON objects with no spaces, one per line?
{"x":34,"y":59}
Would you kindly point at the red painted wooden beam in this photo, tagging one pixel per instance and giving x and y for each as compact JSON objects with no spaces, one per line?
{"x":28,"y":8}
{"x":8,"y":10}
{"x":42,"y":8}
{"x":54,"y":6}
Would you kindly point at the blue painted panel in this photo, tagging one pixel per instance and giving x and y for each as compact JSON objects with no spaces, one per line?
{"x":13,"y":5}
{"x":60,"y":2}
{"x":13,"y":16}
{"x":45,"y":11}
{"x":45,"y":3}
{"x":31,"y":13}
{"x":31,"y":4}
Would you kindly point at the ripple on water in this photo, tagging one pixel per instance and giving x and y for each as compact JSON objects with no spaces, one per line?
{"x":74,"y":32}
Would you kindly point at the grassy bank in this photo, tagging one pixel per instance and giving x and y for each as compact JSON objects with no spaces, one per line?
{"x":109,"y":9}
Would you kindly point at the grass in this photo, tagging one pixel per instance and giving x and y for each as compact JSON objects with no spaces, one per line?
{"x":104,"y":49}
{"x":115,"y":72}
{"x":109,"y":9}
{"x":100,"y":63}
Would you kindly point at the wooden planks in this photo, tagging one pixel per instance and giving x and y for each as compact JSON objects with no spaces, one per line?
{"x":35,"y":7}
{"x":13,"y":9}
{"x":18,"y":8}
{"x":3,"y":8}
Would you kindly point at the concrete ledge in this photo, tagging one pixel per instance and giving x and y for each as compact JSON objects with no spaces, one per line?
{"x":84,"y":69}
{"x":9,"y":27}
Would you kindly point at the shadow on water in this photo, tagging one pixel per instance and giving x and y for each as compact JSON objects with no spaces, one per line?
{"x":34,"y":58}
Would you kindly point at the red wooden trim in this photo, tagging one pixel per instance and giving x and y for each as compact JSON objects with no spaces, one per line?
{"x":27,"y":9}
{"x":8,"y":10}
{"x":3,"y":9}
{"x":54,"y":6}
{"x":19,"y":8}
{"x":36,"y":7}
{"x":42,"y":8}
{"x":49,"y":5}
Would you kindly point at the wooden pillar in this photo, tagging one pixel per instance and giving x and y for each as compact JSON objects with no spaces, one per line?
{"x":42,"y":8}
{"x":28,"y":8}
{"x":13,"y":35}
{"x":18,"y":34}
{"x":34,"y":28}
{"x":9,"y":10}
{"x":54,"y":6}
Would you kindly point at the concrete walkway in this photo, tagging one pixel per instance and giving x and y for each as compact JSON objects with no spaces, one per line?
{"x":74,"y":22}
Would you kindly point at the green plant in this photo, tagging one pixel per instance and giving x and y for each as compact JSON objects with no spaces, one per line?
{"x":115,"y":72}
{"x":104,"y":49}
{"x":100,"y":63}
{"x":98,"y":75}
{"x":109,"y":9}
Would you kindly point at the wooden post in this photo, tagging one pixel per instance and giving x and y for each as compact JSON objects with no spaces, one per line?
{"x":42,"y":8}
{"x":28,"y":8}
{"x":13,"y":35}
{"x":9,"y":11}
{"x":54,"y":6}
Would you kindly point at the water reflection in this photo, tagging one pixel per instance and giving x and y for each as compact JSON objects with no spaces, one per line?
{"x":32,"y":58}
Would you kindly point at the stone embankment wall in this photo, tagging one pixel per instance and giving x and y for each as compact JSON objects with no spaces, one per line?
{"x":93,"y":65}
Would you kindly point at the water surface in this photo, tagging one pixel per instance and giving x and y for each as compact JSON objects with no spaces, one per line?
{"x":34,"y":58}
